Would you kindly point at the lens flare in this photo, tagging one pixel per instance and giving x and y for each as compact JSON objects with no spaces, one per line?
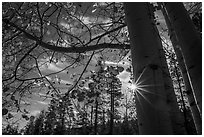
{"x":133,"y":86}
{"x":140,"y":89}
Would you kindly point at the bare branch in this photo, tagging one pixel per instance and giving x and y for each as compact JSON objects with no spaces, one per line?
{"x":72,"y":49}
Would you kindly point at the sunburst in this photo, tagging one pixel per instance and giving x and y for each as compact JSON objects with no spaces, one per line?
{"x":139,"y":88}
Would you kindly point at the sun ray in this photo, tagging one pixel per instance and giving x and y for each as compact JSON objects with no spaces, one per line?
{"x":144,"y":97}
{"x":140,"y":82}
{"x":139,"y":88}
{"x":145,"y":90}
{"x":143,"y":86}
{"x":137,"y":97}
{"x":140,"y":75}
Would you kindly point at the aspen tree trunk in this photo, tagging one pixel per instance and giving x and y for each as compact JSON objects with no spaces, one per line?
{"x":191,"y":46}
{"x":190,"y":95}
{"x":175,"y":114}
{"x":152,"y":106}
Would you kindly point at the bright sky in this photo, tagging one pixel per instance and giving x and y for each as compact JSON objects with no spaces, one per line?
{"x":38,"y":101}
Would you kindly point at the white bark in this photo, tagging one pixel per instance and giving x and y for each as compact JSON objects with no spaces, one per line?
{"x":175,"y":115}
{"x":191,"y":46}
{"x":152,"y":108}
{"x":190,"y":95}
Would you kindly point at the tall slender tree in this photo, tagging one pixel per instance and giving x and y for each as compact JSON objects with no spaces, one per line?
{"x":152,"y":105}
{"x":191,"y":46}
{"x":177,"y":119}
{"x":174,"y":113}
{"x":190,"y":94}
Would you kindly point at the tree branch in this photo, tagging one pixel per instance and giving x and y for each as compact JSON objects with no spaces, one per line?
{"x":70,"y":49}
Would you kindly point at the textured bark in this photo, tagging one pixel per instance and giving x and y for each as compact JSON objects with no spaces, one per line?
{"x":190,"y":94}
{"x":175,"y":115}
{"x":191,"y":46}
{"x":152,"y":107}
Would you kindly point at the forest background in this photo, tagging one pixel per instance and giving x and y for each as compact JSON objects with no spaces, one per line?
{"x":74,"y":61}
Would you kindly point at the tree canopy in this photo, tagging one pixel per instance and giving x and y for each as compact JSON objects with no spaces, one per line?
{"x":76,"y":56}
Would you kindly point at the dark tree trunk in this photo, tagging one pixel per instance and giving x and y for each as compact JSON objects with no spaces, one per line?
{"x":96,"y":118}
